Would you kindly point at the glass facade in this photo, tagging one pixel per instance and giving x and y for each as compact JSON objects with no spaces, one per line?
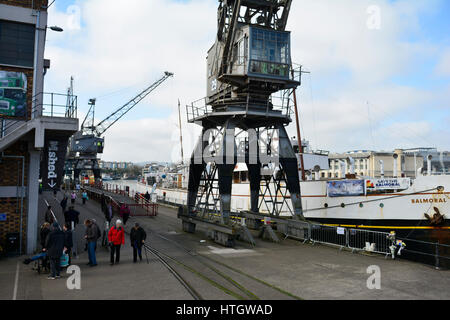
{"x":269,"y":52}
{"x":16,"y":44}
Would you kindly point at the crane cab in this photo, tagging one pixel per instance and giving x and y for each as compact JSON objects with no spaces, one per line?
{"x":260,"y":59}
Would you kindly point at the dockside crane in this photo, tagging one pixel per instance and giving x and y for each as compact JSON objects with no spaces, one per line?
{"x":86,"y":144}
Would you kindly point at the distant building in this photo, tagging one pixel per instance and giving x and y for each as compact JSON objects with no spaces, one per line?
{"x":440,"y":160}
{"x":365,"y":163}
{"x":112,"y":165}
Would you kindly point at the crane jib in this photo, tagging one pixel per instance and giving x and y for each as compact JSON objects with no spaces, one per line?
{"x":103,"y":126}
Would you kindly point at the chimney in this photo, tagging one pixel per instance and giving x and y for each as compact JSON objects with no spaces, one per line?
{"x":382,"y":168}
{"x":395,"y":170}
{"x":429,"y":158}
{"x":343,"y":168}
{"x":352,"y":165}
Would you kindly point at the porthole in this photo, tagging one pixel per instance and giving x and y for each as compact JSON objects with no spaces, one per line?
{"x":361,"y":205}
{"x":342,"y":205}
{"x":326,"y":205}
{"x":381,"y":205}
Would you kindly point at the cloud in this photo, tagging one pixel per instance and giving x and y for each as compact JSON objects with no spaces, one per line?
{"x":125,"y":48}
{"x":443,"y":67}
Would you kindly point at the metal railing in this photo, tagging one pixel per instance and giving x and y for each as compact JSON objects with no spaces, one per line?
{"x":56,"y":105}
{"x":280,"y":102}
{"x":43,"y":105}
{"x":435,"y":254}
{"x":344,"y":238}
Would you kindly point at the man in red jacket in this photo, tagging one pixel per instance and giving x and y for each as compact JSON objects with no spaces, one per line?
{"x":116,"y":238}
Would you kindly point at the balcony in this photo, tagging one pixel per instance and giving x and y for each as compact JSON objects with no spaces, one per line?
{"x":49,"y":111}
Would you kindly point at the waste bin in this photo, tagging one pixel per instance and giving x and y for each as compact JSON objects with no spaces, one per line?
{"x":12,"y":244}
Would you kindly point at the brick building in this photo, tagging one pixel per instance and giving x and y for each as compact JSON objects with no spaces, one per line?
{"x":27,"y":120}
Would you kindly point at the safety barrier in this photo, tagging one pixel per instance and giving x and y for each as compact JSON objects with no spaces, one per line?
{"x":150,"y":208}
{"x":328,"y":235}
{"x":353,"y":239}
{"x":435,"y":254}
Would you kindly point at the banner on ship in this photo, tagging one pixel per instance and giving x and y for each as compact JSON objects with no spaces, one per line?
{"x":388,"y":184}
{"x":345,"y":188}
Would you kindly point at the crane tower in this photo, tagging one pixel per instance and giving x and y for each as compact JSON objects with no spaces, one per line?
{"x":241,"y":120}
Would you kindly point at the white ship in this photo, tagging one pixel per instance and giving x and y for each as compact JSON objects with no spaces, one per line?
{"x":414,"y":207}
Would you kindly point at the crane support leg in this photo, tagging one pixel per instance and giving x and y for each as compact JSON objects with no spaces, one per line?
{"x":289,"y":163}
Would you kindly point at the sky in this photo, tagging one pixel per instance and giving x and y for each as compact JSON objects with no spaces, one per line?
{"x":379,"y":70}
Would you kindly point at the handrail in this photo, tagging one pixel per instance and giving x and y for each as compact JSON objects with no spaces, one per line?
{"x":39,"y":109}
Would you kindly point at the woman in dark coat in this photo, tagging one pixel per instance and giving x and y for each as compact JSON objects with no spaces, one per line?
{"x":43,"y":233}
{"x":54,"y":246}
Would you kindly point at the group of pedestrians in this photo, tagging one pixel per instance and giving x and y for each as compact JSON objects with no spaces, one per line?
{"x":57,"y":242}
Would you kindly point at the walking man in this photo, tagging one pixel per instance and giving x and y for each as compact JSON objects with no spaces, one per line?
{"x":63,"y":203}
{"x":68,"y":242}
{"x":49,"y":216}
{"x":137,"y":239}
{"x":72,"y":216}
{"x":116,"y":237}
{"x":54,"y":246}
{"x":91,"y":237}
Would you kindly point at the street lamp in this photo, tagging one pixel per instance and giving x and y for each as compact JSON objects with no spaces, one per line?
{"x":55,"y":28}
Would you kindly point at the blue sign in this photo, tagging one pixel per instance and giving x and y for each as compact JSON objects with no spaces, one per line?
{"x":2,"y":217}
{"x":345,"y":188}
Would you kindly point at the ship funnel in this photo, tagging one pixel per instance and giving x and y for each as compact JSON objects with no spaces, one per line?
{"x":420,"y":171}
{"x":382,"y":168}
{"x":429,"y":158}
{"x":343,"y":168}
{"x":395,"y":171}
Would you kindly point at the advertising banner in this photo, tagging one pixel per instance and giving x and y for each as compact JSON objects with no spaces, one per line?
{"x":388,"y":184}
{"x":13,"y":94}
{"x":52,"y":165}
{"x":345,"y":188}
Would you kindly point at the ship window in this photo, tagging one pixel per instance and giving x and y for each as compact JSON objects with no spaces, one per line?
{"x":236,"y":177}
{"x":243,"y":176}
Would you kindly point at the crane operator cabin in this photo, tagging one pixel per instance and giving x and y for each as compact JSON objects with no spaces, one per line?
{"x":257,"y":62}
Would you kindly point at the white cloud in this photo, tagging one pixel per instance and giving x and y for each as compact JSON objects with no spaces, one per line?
{"x":443,"y":67}
{"x":120,"y":46}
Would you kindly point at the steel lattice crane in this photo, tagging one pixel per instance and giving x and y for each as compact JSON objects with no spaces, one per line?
{"x":87,"y":143}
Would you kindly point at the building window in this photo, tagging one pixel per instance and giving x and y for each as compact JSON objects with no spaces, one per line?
{"x":16,"y":43}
